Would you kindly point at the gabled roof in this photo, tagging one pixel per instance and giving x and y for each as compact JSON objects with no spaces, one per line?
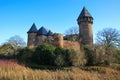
{"x":84,"y":13}
{"x":50,"y":33}
{"x":33,"y":29}
{"x":42,"y":31}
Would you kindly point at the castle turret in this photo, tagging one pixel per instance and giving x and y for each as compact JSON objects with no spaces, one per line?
{"x":85,"y":21}
{"x":58,"y":40}
{"x":41,"y":36}
{"x":32,"y":36}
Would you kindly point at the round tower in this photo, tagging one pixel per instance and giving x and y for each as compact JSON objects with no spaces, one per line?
{"x":32,"y":36}
{"x":58,"y":40}
{"x":85,"y":21}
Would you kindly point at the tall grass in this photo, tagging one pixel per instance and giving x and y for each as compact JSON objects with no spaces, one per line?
{"x":10,"y":70}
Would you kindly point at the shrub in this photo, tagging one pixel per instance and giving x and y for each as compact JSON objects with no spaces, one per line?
{"x":47,"y":54}
{"x":64,"y":57}
{"x":59,"y":61}
{"x":69,"y":57}
{"x":59,"y":57}
{"x":24,"y":55}
{"x":90,"y":56}
{"x":75,"y":58}
{"x":44,"y":55}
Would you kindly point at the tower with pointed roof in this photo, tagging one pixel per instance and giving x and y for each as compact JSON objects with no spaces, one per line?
{"x":85,"y":21}
{"x":43,"y":35}
{"x":38,"y":37}
{"x":32,"y":35}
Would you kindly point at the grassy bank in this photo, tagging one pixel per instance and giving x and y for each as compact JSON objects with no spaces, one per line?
{"x":10,"y":70}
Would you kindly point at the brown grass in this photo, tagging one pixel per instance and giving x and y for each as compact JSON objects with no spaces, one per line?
{"x":10,"y":70}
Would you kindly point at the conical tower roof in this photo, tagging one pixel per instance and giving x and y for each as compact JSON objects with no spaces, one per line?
{"x":33,"y":29}
{"x":42,"y":31}
{"x":84,"y":13}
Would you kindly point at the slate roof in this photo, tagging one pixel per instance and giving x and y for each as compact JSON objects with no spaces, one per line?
{"x":84,"y":13}
{"x":50,"y":33}
{"x":33,"y":29}
{"x":42,"y":31}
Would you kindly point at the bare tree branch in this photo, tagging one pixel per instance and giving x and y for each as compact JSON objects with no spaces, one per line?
{"x":108,"y":37}
{"x":72,"y":30}
{"x":16,"y":41}
{"x":72,"y":34}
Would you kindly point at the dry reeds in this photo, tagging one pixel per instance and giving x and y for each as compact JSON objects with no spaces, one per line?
{"x":10,"y":70}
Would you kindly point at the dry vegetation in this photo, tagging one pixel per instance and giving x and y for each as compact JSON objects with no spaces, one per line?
{"x":10,"y":70}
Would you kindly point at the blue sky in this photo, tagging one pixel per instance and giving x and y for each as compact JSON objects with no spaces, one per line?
{"x":17,"y":16}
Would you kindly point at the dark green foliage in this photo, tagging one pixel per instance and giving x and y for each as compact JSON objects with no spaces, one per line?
{"x":90,"y":56}
{"x":25,"y":55}
{"x":59,"y":57}
{"x":59,"y":60}
{"x":70,"y":57}
{"x":64,"y":57}
{"x":59,"y":50}
{"x":44,"y":54}
{"x":49,"y":55}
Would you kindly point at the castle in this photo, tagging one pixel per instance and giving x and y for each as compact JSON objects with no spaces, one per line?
{"x":43,"y":35}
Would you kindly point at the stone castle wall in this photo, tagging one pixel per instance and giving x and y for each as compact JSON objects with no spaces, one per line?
{"x":40,"y":40}
{"x":56,"y":40}
{"x":71,"y":45}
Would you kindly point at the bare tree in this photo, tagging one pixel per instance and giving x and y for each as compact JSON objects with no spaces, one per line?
{"x":72,"y":34}
{"x":16,"y":41}
{"x":108,"y":39}
{"x":72,"y":30}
